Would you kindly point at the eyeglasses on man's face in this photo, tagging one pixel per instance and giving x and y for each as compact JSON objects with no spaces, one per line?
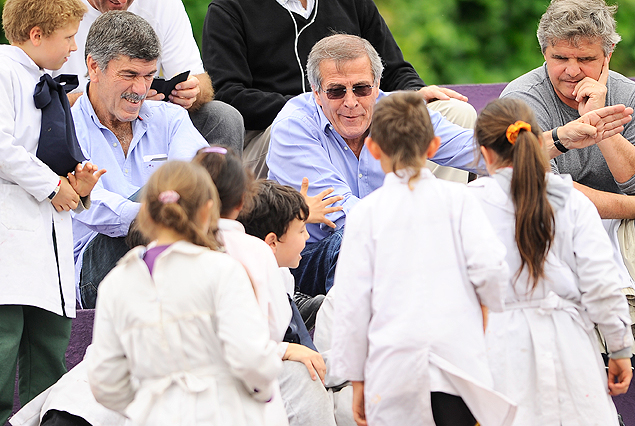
{"x":359,"y":90}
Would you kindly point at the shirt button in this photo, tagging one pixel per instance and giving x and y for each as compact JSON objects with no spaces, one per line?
{"x":360,"y":175}
{"x":345,"y":148}
{"x":114,"y":144}
{"x":126,"y":170}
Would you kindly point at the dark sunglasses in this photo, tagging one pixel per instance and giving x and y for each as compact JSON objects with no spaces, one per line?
{"x":360,"y":90}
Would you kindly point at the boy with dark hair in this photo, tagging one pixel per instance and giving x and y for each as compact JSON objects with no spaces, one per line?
{"x":277,"y":215}
{"x":37,"y":289}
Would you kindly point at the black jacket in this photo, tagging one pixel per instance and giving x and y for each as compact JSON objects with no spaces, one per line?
{"x":248,"y":51}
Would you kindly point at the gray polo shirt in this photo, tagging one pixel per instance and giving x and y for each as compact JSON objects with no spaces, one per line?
{"x":586,"y":166}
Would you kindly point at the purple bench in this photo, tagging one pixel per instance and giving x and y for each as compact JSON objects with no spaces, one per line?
{"x":479,"y":95}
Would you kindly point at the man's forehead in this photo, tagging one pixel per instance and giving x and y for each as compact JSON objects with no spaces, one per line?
{"x":347,"y":71}
{"x":126,"y":63}
{"x":578,"y":46}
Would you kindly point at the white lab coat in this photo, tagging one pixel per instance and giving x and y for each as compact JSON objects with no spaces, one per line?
{"x":413,"y":269}
{"x":191,"y":334}
{"x":542,"y":350}
{"x":261,"y":266}
{"x":71,"y":393}
{"x":28,"y":270}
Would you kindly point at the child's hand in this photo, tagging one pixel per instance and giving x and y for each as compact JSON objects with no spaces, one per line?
{"x":311,"y":359}
{"x":620,"y":375}
{"x":66,"y":198}
{"x":359,"y":412}
{"x":318,"y":205}
{"x":84,"y":178}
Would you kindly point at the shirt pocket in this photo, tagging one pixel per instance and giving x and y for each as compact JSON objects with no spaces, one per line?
{"x":152,"y":162}
{"x":19,"y":210}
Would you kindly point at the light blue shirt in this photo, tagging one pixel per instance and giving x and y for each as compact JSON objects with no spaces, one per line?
{"x":305,"y":144}
{"x":162,"y":132}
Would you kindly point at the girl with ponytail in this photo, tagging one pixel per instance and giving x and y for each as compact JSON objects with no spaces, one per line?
{"x":181,"y":318}
{"x":542,"y":348}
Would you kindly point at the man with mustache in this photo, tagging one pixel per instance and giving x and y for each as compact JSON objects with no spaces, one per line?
{"x":129,"y":135}
{"x":218,"y":122}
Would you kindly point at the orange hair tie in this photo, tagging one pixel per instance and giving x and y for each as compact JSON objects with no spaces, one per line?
{"x":514,"y":129}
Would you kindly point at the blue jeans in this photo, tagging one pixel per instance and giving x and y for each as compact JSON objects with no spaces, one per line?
{"x":316,"y":271}
{"x":101,"y":255}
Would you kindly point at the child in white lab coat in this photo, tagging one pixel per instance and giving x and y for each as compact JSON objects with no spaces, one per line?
{"x":233,"y":183}
{"x":37,"y":289}
{"x":418,"y":261}
{"x":179,"y":337}
{"x":542,"y":348}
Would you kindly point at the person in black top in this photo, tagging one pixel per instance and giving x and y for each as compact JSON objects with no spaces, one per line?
{"x":256,"y":51}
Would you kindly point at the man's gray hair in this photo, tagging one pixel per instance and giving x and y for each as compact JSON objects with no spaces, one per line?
{"x":341,"y":48}
{"x":577,"y":20}
{"x":120,"y":33}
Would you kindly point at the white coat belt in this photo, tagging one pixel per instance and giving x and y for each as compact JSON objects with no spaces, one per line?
{"x":554,"y":302}
{"x":192,"y":381}
{"x":547,"y":357}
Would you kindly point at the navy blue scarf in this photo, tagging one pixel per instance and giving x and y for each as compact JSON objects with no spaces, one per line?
{"x":58,"y":147}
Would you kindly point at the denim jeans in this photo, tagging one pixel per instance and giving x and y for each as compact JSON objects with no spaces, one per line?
{"x":101,"y":255}
{"x":316,"y":271}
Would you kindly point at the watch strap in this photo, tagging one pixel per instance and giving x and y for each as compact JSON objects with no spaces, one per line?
{"x":556,"y":141}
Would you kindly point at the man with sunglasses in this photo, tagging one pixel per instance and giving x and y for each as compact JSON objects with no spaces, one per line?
{"x":320,"y":135}
{"x":256,"y":53}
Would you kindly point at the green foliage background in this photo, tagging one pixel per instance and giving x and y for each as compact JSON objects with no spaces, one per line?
{"x":470,"y":41}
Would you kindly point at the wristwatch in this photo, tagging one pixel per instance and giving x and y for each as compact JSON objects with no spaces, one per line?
{"x":56,"y":190}
{"x":556,"y":141}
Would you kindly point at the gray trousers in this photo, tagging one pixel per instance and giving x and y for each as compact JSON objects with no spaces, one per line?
{"x":462,"y":114}
{"x":306,"y":401}
{"x":220,"y":124}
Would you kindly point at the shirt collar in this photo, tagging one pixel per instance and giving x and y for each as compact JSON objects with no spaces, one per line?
{"x":20,"y":56}
{"x":184,"y":247}
{"x":230,"y":225}
{"x":296,"y":6}
{"x":404,"y":176}
{"x":324,"y":122}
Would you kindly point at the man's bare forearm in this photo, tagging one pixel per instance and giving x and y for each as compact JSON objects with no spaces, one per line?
{"x":608,"y":204}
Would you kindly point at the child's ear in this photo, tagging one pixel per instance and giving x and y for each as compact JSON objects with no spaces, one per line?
{"x":373,"y":148}
{"x":204,"y":214}
{"x":35,"y":35}
{"x":271,"y":239}
{"x":435,"y":143}
{"x":487,"y":155}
